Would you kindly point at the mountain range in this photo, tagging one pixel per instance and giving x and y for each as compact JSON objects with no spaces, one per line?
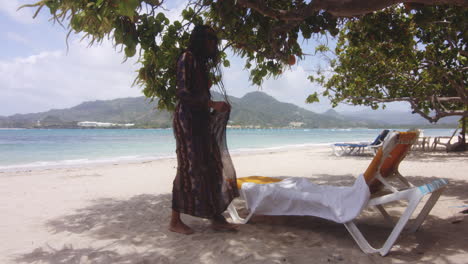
{"x":398,"y":118}
{"x":255,"y":109}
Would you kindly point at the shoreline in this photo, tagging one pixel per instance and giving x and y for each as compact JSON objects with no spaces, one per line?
{"x":64,"y":164}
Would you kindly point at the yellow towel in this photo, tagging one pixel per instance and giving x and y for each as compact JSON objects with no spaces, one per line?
{"x":256,"y":179}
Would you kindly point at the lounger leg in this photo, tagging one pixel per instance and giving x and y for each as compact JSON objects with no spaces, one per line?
{"x":403,"y":179}
{"x":334,"y":150}
{"x":425,"y":210}
{"x":414,"y":200}
{"x":344,"y":151}
{"x":338,"y":151}
{"x":413,"y":203}
{"x":359,"y":238}
{"x":235,"y":216}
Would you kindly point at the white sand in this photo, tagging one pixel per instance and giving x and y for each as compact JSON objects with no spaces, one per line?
{"x":118,"y":213}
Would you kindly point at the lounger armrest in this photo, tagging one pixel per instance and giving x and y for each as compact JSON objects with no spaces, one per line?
{"x":433,"y":186}
{"x":406,"y":194}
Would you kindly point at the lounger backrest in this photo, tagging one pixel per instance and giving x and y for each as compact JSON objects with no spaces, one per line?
{"x":389,"y":166}
{"x":380,"y":138}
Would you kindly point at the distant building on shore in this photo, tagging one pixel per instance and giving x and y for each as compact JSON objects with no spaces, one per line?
{"x":296,"y":124}
{"x":101,"y":124}
{"x":242,"y":127}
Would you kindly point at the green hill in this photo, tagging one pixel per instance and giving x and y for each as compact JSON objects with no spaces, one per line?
{"x":255,"y":109}
{"x":264,"y":110}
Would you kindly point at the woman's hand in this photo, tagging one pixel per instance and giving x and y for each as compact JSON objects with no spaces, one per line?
{"x":220,"y":106}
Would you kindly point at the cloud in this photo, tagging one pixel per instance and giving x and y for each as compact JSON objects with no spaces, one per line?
{"x":24,"y":15}
{"x":292,"y":86}
{"x":175,"y":9}
{"x":55,"y":79}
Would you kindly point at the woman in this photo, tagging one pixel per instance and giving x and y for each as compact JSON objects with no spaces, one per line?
{"x":205,"y":183}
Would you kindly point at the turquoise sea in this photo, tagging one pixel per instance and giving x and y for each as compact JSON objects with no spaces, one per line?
{"x":32,"y":148}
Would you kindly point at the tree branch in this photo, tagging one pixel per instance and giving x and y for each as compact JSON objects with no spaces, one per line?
{"x":260,"y":6}
{"x":402,"y":99}
{"x":339,"y":8}
{"x":461,"y":90}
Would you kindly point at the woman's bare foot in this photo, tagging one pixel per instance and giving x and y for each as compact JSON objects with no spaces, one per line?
{"x":219,"y":223}
{"x":178,"y":226}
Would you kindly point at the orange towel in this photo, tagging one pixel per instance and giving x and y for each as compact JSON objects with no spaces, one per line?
{"x":391,"y":163}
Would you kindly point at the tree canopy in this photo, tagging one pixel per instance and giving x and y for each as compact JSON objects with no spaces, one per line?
{"x":266,"y":34}
{"x":417,"y":56}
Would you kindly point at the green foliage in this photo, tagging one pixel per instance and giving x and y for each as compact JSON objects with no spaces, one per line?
{"x":418,"y":56}
{"x":313,"y":98}
{"x":267,"y":44}
{"x":140,"y":28}
{"x":415,"y":55}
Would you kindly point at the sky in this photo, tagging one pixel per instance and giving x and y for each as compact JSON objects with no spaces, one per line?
{"x":37,"y":73}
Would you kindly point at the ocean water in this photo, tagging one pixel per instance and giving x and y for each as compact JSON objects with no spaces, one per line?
{"x":32,"y":148}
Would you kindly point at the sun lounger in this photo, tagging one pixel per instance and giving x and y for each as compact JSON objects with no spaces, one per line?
{"x":423,"y":142}
{"x":299,"y":196}
{"x":444,"y":141}
{"x":340,"y":149}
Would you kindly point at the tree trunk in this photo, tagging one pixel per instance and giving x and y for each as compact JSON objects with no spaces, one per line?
{"x":463,"y":133}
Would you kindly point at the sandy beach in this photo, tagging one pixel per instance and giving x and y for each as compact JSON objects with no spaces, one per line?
{"x":118,"y":213}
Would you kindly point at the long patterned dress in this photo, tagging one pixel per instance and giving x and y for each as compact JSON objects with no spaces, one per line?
{"x":205,"y":183}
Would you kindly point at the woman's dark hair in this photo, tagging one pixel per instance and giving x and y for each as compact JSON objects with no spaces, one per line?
{"x":197,"y":45}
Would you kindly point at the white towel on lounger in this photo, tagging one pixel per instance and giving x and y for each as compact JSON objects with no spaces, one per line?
{"x":299,"y":196}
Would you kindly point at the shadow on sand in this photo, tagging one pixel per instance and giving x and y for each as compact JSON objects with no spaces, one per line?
{"x":135,"y":231}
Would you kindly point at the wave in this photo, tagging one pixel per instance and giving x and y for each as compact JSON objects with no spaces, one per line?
{"x":137,"y":158}
{"x":341,"y":129}
{"x":277,"y":148}
{"x":80,"y":162}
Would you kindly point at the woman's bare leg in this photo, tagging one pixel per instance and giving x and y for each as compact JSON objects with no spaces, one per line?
{"x":178,"y":226}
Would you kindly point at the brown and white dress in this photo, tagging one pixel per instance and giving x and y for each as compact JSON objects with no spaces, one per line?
{"x":205,"y":183}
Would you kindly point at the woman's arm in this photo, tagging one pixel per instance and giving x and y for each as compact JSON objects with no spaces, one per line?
{"x":219,"y":106}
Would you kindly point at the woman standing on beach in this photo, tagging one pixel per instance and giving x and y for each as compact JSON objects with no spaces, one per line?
{"x":205,"y":183}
